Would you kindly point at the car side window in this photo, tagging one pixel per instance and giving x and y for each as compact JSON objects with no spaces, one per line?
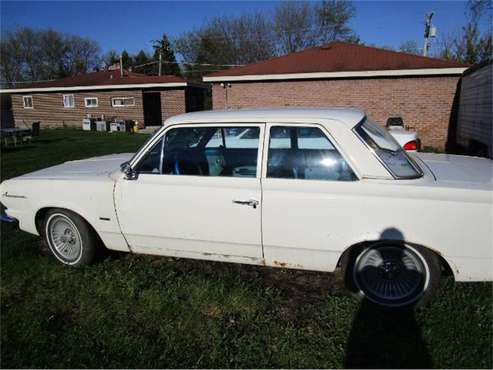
{"x":211,"y":151}
{"x":305,"y":153}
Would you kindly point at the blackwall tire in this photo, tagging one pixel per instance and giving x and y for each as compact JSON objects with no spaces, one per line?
{"x":70,"y":238}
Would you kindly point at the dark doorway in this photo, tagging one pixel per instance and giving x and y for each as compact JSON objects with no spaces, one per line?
{"x":152,"y":109}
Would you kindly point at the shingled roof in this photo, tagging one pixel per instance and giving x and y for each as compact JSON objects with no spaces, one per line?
{"x":102,"y":80}
{"x":340,"y":59}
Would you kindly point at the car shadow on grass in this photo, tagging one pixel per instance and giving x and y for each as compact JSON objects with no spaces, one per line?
{"x":385,"y":338}
{"x":378,"y":338}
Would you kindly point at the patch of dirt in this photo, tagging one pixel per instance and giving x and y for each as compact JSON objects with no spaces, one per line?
{"x":298,"y":288}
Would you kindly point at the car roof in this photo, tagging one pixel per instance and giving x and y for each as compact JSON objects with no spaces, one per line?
{"x":347,"y":116}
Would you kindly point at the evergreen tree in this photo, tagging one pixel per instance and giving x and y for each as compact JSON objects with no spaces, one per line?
{"x":169,"y":65}
{"x":126,"y":59}
{"x":139,"y":62}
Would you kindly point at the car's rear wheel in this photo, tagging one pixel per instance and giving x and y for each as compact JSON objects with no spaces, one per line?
{"x":394,"y":275}
{"x":70,"y":238}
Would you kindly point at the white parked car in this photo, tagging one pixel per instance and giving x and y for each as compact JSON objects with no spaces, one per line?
{"x":407,"y":139}
{"x":312,"y":189}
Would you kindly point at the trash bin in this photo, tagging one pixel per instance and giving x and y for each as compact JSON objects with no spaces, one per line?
{"x":101,"y":126}
{"x":117,"y":125}
{"x":89,"y":124}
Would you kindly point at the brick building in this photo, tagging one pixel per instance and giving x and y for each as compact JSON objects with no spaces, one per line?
{"x":380,"y":82}
{"x":65,"y":102}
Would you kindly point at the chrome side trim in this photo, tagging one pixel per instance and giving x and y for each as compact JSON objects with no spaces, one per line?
{"x":7,"y":195}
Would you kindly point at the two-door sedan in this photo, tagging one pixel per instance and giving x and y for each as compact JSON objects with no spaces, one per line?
{"x":304,"y":188}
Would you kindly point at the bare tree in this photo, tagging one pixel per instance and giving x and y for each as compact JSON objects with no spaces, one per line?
{"x":52,"y":49}
{"x":410,"y":47}
{"x":446,"y":46}
{"x":81,"y":54}
{"x":32,"y":55}
{"x":11,"y":61}
{"x":293,"y":26}
{"x":479,"y":8}
{"x":225,"y":42}
{"x":332,"y":21}
{"x":469,"y":45}
{"x":28,"y":43}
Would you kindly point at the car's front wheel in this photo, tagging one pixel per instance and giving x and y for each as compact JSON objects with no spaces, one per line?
{"x":394,"y":275}
{"x":70,"y":238}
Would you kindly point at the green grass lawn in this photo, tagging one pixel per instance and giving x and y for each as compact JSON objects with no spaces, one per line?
{"x":145,"y":312}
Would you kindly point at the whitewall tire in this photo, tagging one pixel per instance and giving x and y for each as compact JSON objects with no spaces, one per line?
{"x":70,"y":238}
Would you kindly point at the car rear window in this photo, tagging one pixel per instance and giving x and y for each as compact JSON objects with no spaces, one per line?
{"x":387,"y":150}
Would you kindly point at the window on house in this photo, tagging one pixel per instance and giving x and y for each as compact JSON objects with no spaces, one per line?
{"x":91,"y":102}
{"x":68,"y":101}
{"x":305,"y":153}
{"x":27,"y":101}
{"x":123,"y":102}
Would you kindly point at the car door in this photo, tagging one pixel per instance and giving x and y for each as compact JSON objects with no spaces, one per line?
{"x":197,"y":193}
{"x":308,"y":197}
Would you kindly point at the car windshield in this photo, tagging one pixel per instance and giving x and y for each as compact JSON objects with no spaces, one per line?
{"x":388,"y":151}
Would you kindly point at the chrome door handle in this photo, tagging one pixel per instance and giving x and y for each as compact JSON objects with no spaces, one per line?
{"x":252,"y":202}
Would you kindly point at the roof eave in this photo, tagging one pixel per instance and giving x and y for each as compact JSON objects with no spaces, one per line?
{"x":342,"y":74}
{"x":93,"y":87}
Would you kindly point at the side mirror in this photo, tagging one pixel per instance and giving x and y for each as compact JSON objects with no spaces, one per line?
{"x":128,"y":171}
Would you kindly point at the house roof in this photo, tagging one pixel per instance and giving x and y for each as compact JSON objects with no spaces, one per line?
{"x":338,"y":59}
{"x":101,"y":80}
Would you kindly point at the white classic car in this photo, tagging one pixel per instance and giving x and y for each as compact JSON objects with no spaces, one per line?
{"x":406,"y":138}
{"x":312,"y":189}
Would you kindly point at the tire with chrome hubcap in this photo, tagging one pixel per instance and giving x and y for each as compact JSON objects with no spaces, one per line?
{"x":70,"y":238}
{"x":394,"y":275}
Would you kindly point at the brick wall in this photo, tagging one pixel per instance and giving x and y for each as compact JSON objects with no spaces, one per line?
{"x":172,"y":103}
{"x":424,"y":103}
{"x":48,"y":107}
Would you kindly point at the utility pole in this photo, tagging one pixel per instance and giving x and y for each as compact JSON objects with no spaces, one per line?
{"x":160,"y":62}
{"x":430,"y":31}
{"x":121,"y":65}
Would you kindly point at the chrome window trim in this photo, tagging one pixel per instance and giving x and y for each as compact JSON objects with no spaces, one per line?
{"x":414,"y":165}
{"x":326,"y":133}
{"x":161,"y":135}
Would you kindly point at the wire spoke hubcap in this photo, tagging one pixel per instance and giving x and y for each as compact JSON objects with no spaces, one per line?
{"x":64,"y":237}
{"x":390,"y":275}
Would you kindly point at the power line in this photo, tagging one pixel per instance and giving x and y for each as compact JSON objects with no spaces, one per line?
{"x":190,"y":64}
